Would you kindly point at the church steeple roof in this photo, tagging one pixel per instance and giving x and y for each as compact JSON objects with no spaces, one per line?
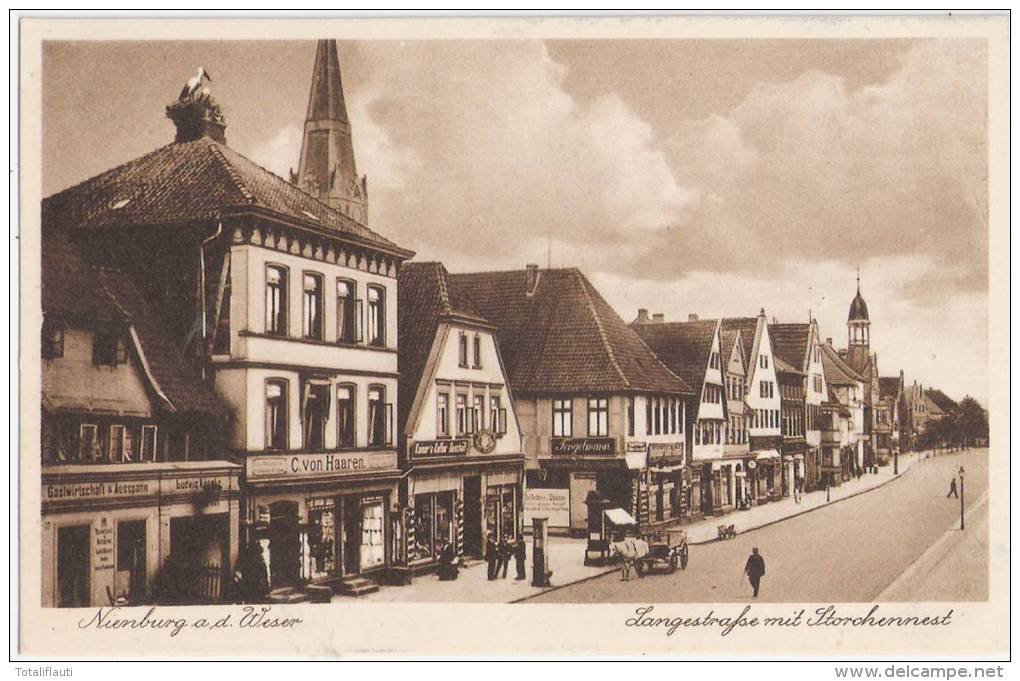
{"x":326,"y":97}
{"x":858,"y":308}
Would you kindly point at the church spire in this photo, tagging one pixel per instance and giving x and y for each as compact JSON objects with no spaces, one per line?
{"x":327,"y":169}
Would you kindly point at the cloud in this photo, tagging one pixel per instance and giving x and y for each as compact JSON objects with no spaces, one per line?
{"x":280,"y":153}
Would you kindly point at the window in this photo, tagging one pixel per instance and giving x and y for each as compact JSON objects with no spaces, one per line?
{"x":346,"y":311}
{"x":380,"y":417}
{"x":116,"y":450}
{"x":276,"y":414}
{"x":108,"y":349}
{"x":276,"y":300}
{"x":376,"y":316}
{"x":598,"y":417}
{"x":563,"y":418}
{"x":346,"y":421}
{"x":52,"y":339}
{"x":462,"y":415}
{"x":89,"y":448}
{"x":763,"y":361}
{"x":443,"y":414}
{"x":630,"y":416}
{"x":478,"y":413}
{"x":148,"y":451}
{"x":311,"y":325}
{"x":497,"y":415}
{"x":477,"y":363}
{"x":316,"y":409}
{"x":648,"y":416}
{"x":713,"y":360}
{"x":462,"y":350}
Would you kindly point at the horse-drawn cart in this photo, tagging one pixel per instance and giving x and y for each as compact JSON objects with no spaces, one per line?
{"x":667,"y":549}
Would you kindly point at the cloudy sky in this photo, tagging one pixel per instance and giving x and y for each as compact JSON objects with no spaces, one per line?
{"x":708,"y":176}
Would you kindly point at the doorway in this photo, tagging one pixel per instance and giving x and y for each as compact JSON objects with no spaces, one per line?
{"x":284,"y":544}
{"x":706,"y":489}
{"x":73,"y":566}
{"x":131,"y":559}
{"x":473,"y":516}
{"x":352,"y":535}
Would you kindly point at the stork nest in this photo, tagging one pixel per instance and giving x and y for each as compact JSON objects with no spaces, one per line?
{"x":194,"y":109}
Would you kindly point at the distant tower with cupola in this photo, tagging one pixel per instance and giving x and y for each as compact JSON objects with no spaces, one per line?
{"x":858,"y":325}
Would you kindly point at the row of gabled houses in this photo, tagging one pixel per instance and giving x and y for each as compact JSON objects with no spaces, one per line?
{"x":237,"y":371}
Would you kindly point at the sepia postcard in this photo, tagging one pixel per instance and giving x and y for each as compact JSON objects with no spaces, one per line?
{"x":514,"y":336}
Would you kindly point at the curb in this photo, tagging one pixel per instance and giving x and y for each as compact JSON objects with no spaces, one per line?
{"x":710,"y":541}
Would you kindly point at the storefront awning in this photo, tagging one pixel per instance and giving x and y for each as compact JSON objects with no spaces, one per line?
{"x":766,"y":454}
{"x":618,"y":516}
{"x":666,"y":469}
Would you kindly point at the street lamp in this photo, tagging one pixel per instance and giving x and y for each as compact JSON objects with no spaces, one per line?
{"x":961,"y":497}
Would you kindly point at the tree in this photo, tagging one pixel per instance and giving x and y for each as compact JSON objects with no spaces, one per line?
{"x":971,"y":421}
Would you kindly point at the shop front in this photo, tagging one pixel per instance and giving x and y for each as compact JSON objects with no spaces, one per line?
{"x":792,"y":465}
{"x":458,"y":502}
{"x":766,"y":475}
{"x":322,"y":516}
{"x":666,"y":483}
{"x":138,"y":533}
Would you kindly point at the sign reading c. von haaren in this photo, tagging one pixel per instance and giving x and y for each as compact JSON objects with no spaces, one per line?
{"x":584,"y":446}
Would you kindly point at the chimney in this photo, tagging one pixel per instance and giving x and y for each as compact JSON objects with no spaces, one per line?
{"x":642,"y":316}
{"x":761,"y":313}
{"x":658,"y":318}
{"x":197,"y":116}
{"x":828,"y":341}
{"x":531,"y":280}
{"x":692,"y":317}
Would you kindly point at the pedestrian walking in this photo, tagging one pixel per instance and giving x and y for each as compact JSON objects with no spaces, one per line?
{"x":952,"y":489}
{"x":505,"y":553}
{"x":755,"y":569}
{"x":520,"y":556}
{"x":491,"y":554}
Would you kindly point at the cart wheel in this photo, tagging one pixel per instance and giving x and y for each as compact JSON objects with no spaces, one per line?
{"x":672,"y":562}
{"x":684,"y":553}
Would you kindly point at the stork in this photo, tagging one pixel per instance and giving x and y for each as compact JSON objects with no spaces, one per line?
{"x":191,"y":87}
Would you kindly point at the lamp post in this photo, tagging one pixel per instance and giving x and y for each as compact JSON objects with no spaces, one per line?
{"x":828,"y":486}
{"x":896,"y":461}
{"x":961,"y":497}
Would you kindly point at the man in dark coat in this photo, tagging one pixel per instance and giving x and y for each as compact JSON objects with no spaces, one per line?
{"x":491,"y":554}
{"x":447,"y":564}
{"x":755,"y":569}
{"x":952,"y":489}
{"x":520,"y":555}
{"x":506,"y":551}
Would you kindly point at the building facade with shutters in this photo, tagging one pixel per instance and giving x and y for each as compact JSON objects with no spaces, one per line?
{"x":460,"y":443}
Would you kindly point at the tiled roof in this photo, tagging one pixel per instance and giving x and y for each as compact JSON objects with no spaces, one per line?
{"x":837,"y":372}
{"x":790,"y":342}
{"x":192,"y":182}
{"x":888,"y":387}
{"x":682,"y":346}
{"x":727,"y":339}
{"x":858,"y":357}
{"x":426,"y":295}
{"x":74,"y":289}
{"x":747,"y":327}
{"x":784,"y":367}
{"x":934,"y":409}
{"x":564,"y":338}
{"x":942,"y":400}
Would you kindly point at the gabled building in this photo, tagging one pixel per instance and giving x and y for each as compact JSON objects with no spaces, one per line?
{"x":917,"y":414}
{"x":693,"y":351}
{"x":889,"y":416}
{"x":140,"y":502}
{"x":737,"y":443}
{"x":799,"y":346}
{"x":598,"y":412}
{"x":289,"y":307}
{"x":763,"y":406}
{"x":849,"y":390}
{"x":460,"y":444}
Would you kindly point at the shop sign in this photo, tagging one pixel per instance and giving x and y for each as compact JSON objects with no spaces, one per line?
{"x":109,"y":489}
{"x":637,"y":447}
{"x":665,"y":452}
{"x":584,"y":446}
{"x":194,"y":485}
{"x":322,"y":464}
{"x":426,"y":448}
{"x":103,"y":548}
{"x":553,"y":504}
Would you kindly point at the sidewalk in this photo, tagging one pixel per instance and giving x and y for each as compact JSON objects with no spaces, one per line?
{"x":566,"y":555}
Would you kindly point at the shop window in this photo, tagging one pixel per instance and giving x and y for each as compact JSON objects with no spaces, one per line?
{"x":311,"y":325}
{"x":462,"y":350}
{"x":501,"y":512}
{"x":376,"y":316}
{"x":346,"y":422}
{"x":497,"y":415}
{"x":52,"y":339}
{"x":373,"y":546}
{"x":462,"y":415}
{"x":478,"y":413}
{"x":108,"y":348}
{"x":315,"y":410}
{"x":149,"y":443}
{"x":562,"y":418}
{"x":322,"y":537}
{"x":477,"y":352}
{"x":380,"y":418}
{"x":276,"y":300}
{"x":276,"y":414}
{"x":346,"y":311}
{"x":434,"y":525}
{"x":443,"y":414}
{"x":116,"y":448}
{"x":89,"y":448}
